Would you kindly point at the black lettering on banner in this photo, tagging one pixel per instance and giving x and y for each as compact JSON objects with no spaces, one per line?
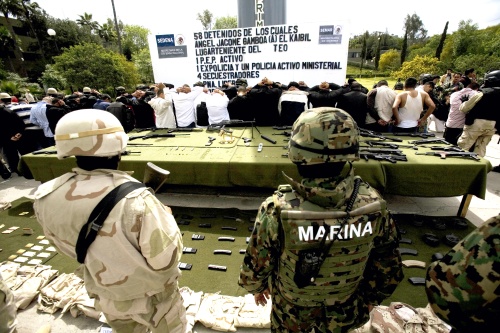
{"x":321,"y":65}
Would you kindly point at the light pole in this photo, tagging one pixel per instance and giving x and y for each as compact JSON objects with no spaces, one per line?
{"x":52,"y":33}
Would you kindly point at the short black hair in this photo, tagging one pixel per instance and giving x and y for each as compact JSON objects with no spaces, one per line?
{"x":411,"y":82}
{"x":293,"y":84}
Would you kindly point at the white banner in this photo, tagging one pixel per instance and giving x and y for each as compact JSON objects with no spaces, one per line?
{"x":312,"y":53}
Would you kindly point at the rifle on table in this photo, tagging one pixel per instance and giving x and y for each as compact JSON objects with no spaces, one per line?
{"x":154,"y":135}
{"x":285,"y":133}
{"x":382,"y":157}
{"x":44,"y":152}
{"x":444,"y":154}
{"x":372,"y":134}
{"x":280,"y":128}
{"x":424,"y":141}
{"x":452,"y":148}
{"x":388,"y":145}
{"x":424,"y":135}
{"x":388,"y":151}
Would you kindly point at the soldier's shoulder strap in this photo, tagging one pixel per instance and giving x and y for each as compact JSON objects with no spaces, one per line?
{"x":96,"y":219}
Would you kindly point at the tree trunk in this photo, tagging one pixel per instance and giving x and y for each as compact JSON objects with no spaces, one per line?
{"x":117,"y":28}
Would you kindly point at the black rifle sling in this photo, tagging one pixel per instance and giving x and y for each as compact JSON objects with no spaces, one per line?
{"x":327,"y":248}
{"x":89,"y":231}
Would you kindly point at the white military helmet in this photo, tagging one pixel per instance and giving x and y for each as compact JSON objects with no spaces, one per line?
{"x":89,"y":132}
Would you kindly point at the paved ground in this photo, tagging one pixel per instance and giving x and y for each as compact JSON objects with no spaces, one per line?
{"x":30,"y":319}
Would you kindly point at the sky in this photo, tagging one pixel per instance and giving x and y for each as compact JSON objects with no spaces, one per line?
{"x":362,"y":15}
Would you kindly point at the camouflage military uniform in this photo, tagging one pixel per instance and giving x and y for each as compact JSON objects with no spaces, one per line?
{"x":132,"y":264}
{"x":464,"y":287}
{"x":338,"y":312}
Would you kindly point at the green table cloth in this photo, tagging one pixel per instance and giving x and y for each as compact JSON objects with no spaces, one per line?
{"x":236,"y":163}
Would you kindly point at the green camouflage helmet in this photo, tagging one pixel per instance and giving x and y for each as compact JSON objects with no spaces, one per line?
{"x":324,"y":135}
{"x":89,"y":132}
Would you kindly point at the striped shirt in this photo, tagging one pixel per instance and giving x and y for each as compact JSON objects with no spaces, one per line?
{"x":456,"y":118}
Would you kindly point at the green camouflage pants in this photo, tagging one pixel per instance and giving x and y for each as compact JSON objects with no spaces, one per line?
{"x":287,"y":317}
{"x":160,"y":313}
{"x":478,"y":134}
{"x":8,"y":310}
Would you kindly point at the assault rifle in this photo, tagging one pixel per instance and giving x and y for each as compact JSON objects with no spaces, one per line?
{"x":423,"y":135}
{"x":285,"y":133}
{"x":154,"y":135}
{"x":232,"y":122}
{"x":444,"y":154}
{"x":170,"y":130}
{"x":372,"y":134}
{"x":280,"y":128}
{"x":388,"y":145}
{"x":46,"y":152}
{"x":452,"y":148}
{"x":382,"y":157}
{"x":389,"y":151}
{"x":424,"y":141}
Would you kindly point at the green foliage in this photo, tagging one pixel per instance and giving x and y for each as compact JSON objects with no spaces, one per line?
{"x":226,"y":22}
{"x":9,"y":87}
{"x":142,"y":61}
{"x":417,"y":66}
{"x":439,"y":48}
{"x":415,"y":28}
{"x":51,"y":78}
{"x":389,"y":61}
{"x":93,"y":66}
{"x":206,"y":19}
{"x":482,"y":63}
{"x":134,"y":39}
{"x":466,"y":39}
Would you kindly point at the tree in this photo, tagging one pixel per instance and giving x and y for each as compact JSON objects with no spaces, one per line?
{"x":404,"y":47}
{"x":417,"y":66}
{"x":118,"y":34}
{"x":377,"y":53}
{"x":107,"y":33}
{"x":414,"y":27}
{"x":439,"y":49}
{"x":52,"y":78}
{"x":7,"y":43}
{"x":363,"y":51}
{"x":389,"y":61}
{"x":142,"y":61}
{"x":135,"y":38}
{"x":466,"y":39}
{"x":13,"y":8}
{"x":226,"y":22}
{"x":86,"y":21}
{"x":92,"y":65}
{"x":206,"y":19}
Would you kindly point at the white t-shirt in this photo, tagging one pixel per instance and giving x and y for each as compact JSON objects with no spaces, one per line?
{"x":184,"y":106}
{"x":217,"y":108}
{"x":164,"y":112}
{"x":383,"y":102}
{"x":410,"y":113}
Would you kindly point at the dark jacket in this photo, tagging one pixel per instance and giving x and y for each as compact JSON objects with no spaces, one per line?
{"x":318,"y":97}
{"x":124,"y":114}
{"x":486,"y":108}
{"x":354,"y":103}
{"x":265,"y":100}
{"x":240,"y":108}
{"x":144,"y":114}
{"x":54,"y":114}
{"x":10,"y":125}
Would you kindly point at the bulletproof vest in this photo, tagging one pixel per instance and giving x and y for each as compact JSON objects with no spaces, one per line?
{"x":304,"y":226}
{"x":486,"y":108}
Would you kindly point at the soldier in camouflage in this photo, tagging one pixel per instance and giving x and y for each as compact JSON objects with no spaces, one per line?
{"x":361,"y":267}
{"x":131,"y":267}
{"x":463,"y":288}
